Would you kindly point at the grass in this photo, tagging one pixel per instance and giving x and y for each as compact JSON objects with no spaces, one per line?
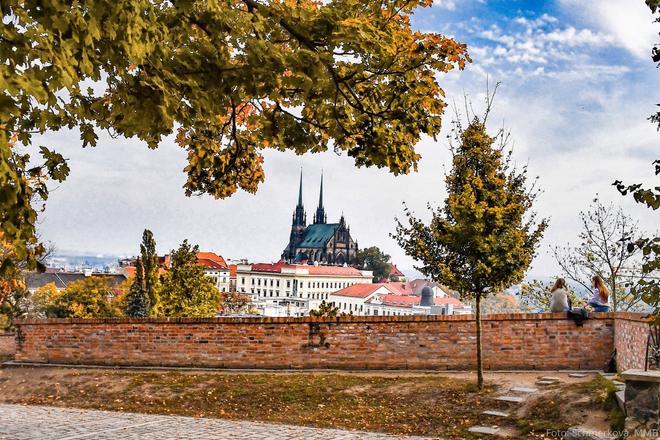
{"x":400,"y":404}
{"x":428,"y":405}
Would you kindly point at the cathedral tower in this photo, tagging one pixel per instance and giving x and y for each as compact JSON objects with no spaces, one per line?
{"x":320,"y":217}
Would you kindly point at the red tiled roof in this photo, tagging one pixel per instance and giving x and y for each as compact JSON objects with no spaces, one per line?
{"x":213,"y":257}
{"x":395,"y":272}
{"x":413,"y":300}
{"x":270,"y":267}
{"x":400,"y":288}
{"x":333,"y":270}
{"x":312,"y":270}
{"x":210,"y":264}
{"x":359,"y":290}
{"x":400,"y":300}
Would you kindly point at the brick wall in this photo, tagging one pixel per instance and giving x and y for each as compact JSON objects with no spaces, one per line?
{"x":7,"y":344}
{"x":631,"y":331}
{"x":511,"y":341}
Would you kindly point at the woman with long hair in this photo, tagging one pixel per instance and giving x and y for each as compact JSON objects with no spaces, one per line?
{"x":559,"y":301}
{"x":601,"y":295}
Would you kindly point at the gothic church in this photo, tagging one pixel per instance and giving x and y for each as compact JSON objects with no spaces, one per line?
{"x":320,"y":242}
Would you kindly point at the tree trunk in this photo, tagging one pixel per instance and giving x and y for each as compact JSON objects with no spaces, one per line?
{"x":480,"y":364}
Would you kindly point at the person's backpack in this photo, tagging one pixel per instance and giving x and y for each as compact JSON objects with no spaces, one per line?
{"x":578,"y":315}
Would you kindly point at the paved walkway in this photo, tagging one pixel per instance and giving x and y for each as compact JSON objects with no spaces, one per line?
{"x":41,"y":422}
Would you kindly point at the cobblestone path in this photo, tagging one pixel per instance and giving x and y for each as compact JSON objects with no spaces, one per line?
{"x":18,"y":422}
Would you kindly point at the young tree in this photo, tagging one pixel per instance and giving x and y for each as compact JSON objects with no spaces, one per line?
{"x":235,"y":77}
{"x":325,"y":310}
{"x":235,"y":302}
{"x":149,"y":259}
{"x":42,"y":299}
{"x":185,"y":290}
{"x":372,"y":258}
{"x":484,"y":238}
{"x":137,"y":301}
{"x":14,"y":297}
{"x":90,"y":297}
{"x":603,"y":250}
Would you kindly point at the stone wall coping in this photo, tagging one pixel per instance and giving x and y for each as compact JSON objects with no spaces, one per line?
{"x":641,"y":375}
{"x":311,"y":319}
{"x":633,"y":316}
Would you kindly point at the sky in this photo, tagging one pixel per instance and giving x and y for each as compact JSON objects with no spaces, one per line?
{"x":577,"y":86}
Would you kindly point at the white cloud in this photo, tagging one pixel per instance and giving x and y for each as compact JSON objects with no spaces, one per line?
{"x":449,"y":5}
{"x":629,"y":22}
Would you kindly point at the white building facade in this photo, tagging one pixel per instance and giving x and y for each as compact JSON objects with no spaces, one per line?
{"x":385,"y":299}
{"x":281,"y":289}
{"x":215,"y":267}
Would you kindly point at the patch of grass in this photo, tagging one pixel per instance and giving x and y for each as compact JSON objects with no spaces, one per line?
{"x":428,"y":405}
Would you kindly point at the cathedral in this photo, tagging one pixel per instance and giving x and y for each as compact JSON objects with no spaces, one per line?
{"x":320,"y":242}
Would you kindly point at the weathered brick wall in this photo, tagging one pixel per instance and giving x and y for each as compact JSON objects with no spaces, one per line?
{"x":510,"y":341}
{"x":631,"y":331}
{"x":7,"y":344}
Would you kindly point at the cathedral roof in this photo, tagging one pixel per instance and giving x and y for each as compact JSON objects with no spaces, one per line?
{"x":317,"y":235}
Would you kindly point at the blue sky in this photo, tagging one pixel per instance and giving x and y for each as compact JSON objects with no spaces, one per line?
{"x":577,"y":87}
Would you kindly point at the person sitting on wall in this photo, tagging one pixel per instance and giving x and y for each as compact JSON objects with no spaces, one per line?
{"x":600,"y":299}
{"x":559,"y":301}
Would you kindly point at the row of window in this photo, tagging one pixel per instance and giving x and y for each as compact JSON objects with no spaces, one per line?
{"x":358,"y":309}
{"x":310,"y":284}
{"x":270,"y":294}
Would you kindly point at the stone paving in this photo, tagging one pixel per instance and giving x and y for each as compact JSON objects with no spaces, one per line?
{"x":19,"y":422}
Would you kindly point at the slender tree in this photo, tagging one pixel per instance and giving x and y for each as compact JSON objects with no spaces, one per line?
{"x":484,"y":237}
{"x":149,"y":260}
{"x":186,"y":291}
{"x":137,"y":302}
{"x":603,"y":250}
{"x":231,"y":77}
{"x":326,"y":310}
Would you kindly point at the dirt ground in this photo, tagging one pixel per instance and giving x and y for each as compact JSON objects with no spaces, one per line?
{"x":420,"y":403}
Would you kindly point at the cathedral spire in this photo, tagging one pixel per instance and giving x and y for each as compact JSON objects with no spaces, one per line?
{"x":299,"y":213}
{"x":320,"y":216}
{"x":300,"y":189}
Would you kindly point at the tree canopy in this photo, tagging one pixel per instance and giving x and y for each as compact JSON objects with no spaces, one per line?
{"x":232,"y":78}
{"x":185,"y":291}
{"x":373,"y":259}
{"x":90,"y":297}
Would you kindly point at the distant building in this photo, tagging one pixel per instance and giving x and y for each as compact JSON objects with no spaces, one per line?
{"x":387,"y":299}
{"x":396,"y":274}
{"x":62,"y":279}
{"x":215,"y":267}
{"x":321,"y":242}
{"x":282,"y":289}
